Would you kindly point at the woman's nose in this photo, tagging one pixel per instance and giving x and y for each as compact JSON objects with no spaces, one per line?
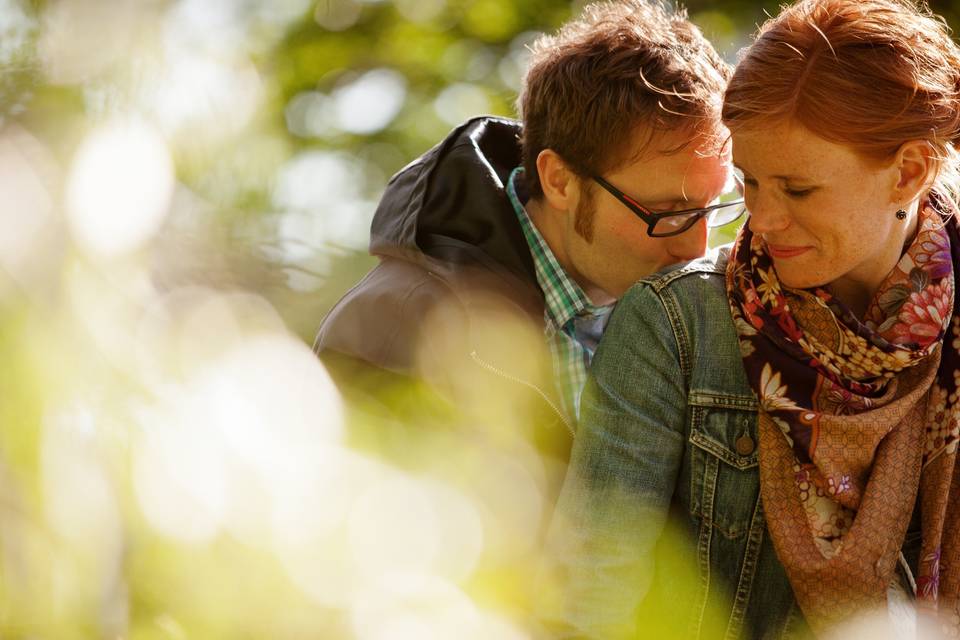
{"x":766,"y":215}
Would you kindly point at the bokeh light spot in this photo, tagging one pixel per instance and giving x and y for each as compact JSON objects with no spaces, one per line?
{"x":460,"y":101}
{"x":207,"y":96}
{"x":434,"y":530}
{"x":27,"y":176}
{"x":310,"y":530}
{"x":83,"y":38}
{"x":313,"y":180}
{"x":337,"y":15}
{"x":179,"y":473}
{"x":371,"y":102}
{"x":79,"y":496}
{"x":402,"y":508}
{"x":513,"y":65}
{"x":119,"y":188}
{"x":420,"y":10}
{"x":310,"y":114}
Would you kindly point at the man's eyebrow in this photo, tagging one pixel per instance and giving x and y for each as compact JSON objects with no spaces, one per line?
{"x":671,"y":200}
{"x":657,"y":198}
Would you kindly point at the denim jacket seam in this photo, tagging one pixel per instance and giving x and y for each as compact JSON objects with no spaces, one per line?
{"x":661,"y":281}
{"x":711,"y":446}
{"x":680,"y":335}
{"x":748,"y":571}
{"x":705,"y":536}
{"x":720,"y":400}
{"x":790,"y":622}
{"x":704,"y":542}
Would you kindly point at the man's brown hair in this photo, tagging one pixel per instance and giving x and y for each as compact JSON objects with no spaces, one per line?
{"x":618,"y":67}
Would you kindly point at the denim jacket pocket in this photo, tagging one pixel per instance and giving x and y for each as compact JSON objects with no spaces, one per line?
{"x":724,"y":462}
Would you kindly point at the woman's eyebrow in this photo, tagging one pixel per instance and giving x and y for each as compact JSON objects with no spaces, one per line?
{"x":780,"y":176}
{"x":796,"y":178}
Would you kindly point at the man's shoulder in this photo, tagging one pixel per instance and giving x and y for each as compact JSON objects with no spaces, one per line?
{"x":377,"y":318}
{"x":407,"y":330}
{"x":399,"y":304}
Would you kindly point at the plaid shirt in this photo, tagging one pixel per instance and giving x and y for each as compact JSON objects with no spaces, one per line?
{"x":573,"y":325}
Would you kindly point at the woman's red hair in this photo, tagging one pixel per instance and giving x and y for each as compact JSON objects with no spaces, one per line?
{"x":869,"y":74}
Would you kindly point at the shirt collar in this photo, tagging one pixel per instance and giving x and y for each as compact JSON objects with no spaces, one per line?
{"x":564,"y":298}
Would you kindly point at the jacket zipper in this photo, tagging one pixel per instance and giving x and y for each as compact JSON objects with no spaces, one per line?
{"x":540,"y":392}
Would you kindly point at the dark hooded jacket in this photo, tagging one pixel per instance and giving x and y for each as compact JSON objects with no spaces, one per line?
{"x":452,"y":261}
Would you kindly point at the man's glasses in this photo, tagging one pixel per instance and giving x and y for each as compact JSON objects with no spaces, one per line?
{"x":662,"y":224}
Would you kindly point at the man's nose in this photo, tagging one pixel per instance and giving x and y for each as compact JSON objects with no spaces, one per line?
{"x":690,"y":244}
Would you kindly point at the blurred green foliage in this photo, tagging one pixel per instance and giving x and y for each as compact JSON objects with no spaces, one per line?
{"x":187,"y":187}
{"x":453,"y":59}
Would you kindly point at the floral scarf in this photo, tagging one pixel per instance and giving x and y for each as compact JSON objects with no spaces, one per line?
{"x":858,"y":422}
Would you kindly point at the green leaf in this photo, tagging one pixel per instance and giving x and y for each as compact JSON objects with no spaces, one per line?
{"x":894,"y":298}
{"x":889,"y":322}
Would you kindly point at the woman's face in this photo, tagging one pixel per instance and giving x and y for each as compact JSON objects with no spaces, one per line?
{"x":826,"y":215}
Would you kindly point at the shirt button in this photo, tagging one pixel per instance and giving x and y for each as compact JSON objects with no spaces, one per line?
{"x":745,"y":445}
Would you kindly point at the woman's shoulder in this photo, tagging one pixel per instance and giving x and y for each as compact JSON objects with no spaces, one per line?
{"x":708,"y":268}
{"x":698,"y":285}
{"x":686,"y":306}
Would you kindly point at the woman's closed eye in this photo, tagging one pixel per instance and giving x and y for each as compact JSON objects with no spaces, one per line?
{"x":798,"y":193}
{"x":748,"y":182}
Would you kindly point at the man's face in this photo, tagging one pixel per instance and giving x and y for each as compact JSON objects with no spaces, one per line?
{"x":620,"y":251}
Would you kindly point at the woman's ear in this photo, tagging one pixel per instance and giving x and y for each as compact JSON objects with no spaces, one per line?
{"x":918,"y":167}
{"x":556,"y":180}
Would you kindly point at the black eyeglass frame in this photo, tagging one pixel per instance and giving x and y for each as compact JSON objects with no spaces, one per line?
{"x":653,"y":217}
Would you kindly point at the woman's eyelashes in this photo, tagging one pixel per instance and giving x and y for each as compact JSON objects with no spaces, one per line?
{"x":798,"y":193}
{"x":792,"y":192}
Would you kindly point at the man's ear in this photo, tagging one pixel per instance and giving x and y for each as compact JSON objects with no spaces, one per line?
{"x":919,"y":165}
{"x":556,"y":180}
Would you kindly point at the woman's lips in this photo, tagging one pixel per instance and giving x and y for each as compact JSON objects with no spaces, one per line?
{"x":785,"y":251}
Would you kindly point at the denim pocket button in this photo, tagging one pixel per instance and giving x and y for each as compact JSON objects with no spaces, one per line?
{"x":745,"y":445}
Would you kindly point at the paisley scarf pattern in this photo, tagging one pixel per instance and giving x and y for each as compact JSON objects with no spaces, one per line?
{"x":858,"y":422}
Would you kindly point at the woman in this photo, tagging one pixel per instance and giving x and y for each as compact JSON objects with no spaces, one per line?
{"x":806,"y":450}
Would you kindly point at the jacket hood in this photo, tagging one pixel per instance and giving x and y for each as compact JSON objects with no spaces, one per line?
{"x":449,"y":208}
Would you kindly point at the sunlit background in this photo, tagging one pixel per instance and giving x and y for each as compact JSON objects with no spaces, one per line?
{"x":186,"y":188}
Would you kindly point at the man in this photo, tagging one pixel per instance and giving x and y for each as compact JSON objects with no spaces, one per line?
{"x":504,"y":230}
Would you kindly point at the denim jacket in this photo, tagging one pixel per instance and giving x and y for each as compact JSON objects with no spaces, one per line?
{"x":660,"y":530}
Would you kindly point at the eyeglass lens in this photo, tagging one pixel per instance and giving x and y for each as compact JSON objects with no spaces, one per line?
{"x":672,"y":225}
